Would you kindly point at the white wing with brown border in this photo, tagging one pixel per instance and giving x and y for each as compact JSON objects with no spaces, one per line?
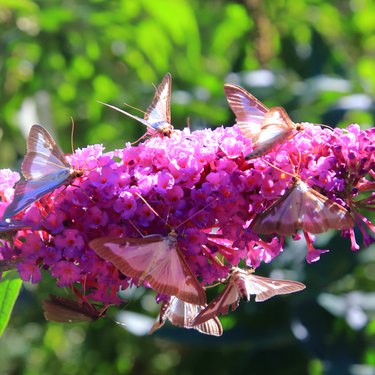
{"x":302,"y":207}
{"x":154,"y":259}
{"x":243,"y":284}
{"x":182,"y":314}
{"x":265,"y":127}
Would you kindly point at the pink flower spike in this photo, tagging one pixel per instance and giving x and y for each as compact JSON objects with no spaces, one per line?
{"x":197,"y":184}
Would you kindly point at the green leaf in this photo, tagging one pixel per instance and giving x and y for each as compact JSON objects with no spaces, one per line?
{"x":10,"y":286}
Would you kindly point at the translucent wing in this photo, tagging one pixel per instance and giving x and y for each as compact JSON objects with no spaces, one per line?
{"x":156,"y":260}
{"x":265,"y":127}
{"x":265,"y":287}
{"x":243,"y":284}
{"x":249,"y":111}
{"x":8,"y":229}
{"x":302,"y":207}
{"x":7,"y":226}
{"x":157,"y":117}
{"x":45,"y":169}
{"x":160,"y":108}
{"x":182,"y":314}
{"x":276,"y":127}
{"x":229,"y":298}
{"x":62,"y":310}
{"x":43,"y":156}
{"x":27,"y":192}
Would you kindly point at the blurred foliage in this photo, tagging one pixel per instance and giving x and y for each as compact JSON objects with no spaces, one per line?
{"x":315,"y":58}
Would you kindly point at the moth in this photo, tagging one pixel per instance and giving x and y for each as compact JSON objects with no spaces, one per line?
{"x":44,"y":167}
{"x":63,"y":310}
{"x":265,"y":127}
{"x":242,"y":284}
{"x":157,"y":117}
{"x":182,"y":314}
{"x":156,"y":260}
{"x":302,"y":207}
{"x":11,"y":263}
{"x":11,"y":226}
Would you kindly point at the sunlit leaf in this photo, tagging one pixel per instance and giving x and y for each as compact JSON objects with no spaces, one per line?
{"x":10,"y":286}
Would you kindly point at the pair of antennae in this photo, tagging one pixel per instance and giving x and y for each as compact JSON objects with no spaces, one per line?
{"x":166,"y":221}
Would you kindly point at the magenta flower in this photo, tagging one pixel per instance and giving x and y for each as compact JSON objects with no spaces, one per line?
{"x":66,"y":273}
{"x":200,"y":186}
{"x":29,"y":271}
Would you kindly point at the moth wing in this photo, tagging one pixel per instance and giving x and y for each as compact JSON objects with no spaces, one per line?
{"x":249,"y":111}
{"x":265,"y":288}
{"x":29,"y":191}
{"x":162,"y":317}
{"x":220,"y":305}
{"x":189,"y":312}
{"x":43,"y":157}
{"x":302,"y":207}
{"x":282,"y":217}
{"x":182,"y":314}
{"x":155,"y":261}
{"x":178,"y":312}
{"x":276,"y":126}
{"x":11,"y":226}
{"x":160,"y":107}
{"x":141,"y":120}
{"x":62,"y":310}
{"x":321,"y":214}
{"x":210,"y":327}
{"x":173,"y":276}
{"x":175,"y":311}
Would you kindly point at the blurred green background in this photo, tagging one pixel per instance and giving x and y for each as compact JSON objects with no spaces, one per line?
{"x":315,"y":58}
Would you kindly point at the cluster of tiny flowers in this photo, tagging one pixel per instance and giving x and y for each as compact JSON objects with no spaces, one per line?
{"x":197,"y":184}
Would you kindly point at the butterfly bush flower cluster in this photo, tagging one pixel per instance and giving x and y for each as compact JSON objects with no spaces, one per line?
{"x":197,"y":184}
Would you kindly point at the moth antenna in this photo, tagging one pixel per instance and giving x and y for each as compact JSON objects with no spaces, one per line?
{"x":305,"y":134}
{"x":299,"y":161}
{"x":76,"y":292}
{"x":214,"y":258}
{"x":83,"y":192}
{"x":120,"y":110}
{"x":135,"y":227}
{"x":135,"y":108}
{"x":81,"y":296}
{"x":71,"y":135}
{"x":183,"y":222}
{"x":169,"y":212}
{"x":196,"y":213}
{"x":278,"y":149}
{"x":149,"y":206}
{"x":84,"y":284}
{"x":215,"y":284}
{"x":279,"y":169}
